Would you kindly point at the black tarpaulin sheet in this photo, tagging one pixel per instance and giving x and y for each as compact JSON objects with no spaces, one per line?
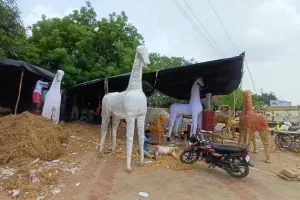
{"x":220,"y":76}
{"x":4,"y":62}
{"x":10,"y":74}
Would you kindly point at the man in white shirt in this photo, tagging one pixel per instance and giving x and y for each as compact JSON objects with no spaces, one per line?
{"x":36,"y":96}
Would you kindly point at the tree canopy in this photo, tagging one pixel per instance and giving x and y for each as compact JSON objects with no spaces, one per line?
{"x":238,"y":95}
{"x":87,"y":48}
{"x":12,"y":30}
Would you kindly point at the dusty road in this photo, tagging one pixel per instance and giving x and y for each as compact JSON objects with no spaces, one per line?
{"x":104,"y":180}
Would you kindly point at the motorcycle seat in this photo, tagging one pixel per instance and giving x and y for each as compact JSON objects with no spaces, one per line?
{"x":294,"y":128}
{"x":228,"y":149}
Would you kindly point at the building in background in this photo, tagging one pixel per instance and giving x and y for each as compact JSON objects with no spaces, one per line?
{"x":280,"y":103}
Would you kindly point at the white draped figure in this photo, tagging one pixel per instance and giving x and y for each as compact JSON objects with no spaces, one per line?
{"x":130,"y":105}
{"x":51,"y":109}
{"x":194,"y":108}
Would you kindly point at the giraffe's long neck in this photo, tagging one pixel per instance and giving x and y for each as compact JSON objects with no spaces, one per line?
{"x":135,"y":81}
{"x":195,"y":94}
{"x":248,"y":108}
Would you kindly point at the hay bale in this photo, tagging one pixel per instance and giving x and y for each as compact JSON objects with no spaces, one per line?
{"x":27,"y":135}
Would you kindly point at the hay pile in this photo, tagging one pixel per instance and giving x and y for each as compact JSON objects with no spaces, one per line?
{"x":27,"y":135}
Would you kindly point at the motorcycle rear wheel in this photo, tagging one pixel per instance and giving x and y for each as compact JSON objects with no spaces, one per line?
{"x":189,"y":156}
{"x":242,"y":164}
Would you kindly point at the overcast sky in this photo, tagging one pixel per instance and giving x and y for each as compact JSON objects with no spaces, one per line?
{"x":265,"y":29}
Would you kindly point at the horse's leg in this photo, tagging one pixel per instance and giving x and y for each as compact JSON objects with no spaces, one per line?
{"x":129,"y":135}
{"x":195,"y":121}
{"x":115,"y":125}
{"x":171,"y":123}
{"x":200,"y":125}
{"x":104,"y":125}
{"x":141,"y":127}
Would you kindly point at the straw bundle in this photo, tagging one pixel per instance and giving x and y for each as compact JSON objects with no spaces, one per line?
{"x":27,"y":135}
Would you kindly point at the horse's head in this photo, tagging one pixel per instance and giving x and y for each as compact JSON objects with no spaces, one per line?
{"x":199,"y":82}
{"x":143,"y":54}
{"x":59,"y":75}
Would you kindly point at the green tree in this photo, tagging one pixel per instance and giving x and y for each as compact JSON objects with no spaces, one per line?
{"x":266,"y":97}
{"x":84,"y":47}
{"x":238,"y":95}
{"x":12,"y":30}
{"x":163,"y":62}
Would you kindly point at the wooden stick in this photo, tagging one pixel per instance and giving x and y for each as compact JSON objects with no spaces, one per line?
{"x":20,"y":89}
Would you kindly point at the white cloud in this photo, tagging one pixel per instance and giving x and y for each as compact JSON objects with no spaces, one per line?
{"x":268,"y":30}
{"x":38,"y":10}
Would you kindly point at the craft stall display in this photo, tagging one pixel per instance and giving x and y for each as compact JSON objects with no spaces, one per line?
{"x":51,"y":109}
{"x":251,"y":122}
{"x":130,"y":105}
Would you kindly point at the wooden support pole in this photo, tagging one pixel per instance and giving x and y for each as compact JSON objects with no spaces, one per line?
{"x":234,"y":102}
{"x":20,"y":89}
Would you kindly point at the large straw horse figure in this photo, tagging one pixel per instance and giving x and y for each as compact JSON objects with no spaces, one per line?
{"x":194,"y":108}
{"x":157,"y":127}
{"x":51,"y":109}
{"x":251,"y":122}
{"x":130,"y":105}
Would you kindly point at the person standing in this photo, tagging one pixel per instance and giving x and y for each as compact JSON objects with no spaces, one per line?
{"x":36,"y":96}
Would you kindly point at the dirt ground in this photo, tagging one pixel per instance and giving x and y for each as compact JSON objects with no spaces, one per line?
{"x":104,"y":179}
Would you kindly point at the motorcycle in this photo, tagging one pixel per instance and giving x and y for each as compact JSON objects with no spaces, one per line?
{"x":234,"y":160}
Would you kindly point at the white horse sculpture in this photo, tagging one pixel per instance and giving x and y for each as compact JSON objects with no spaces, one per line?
{"x":51,"y":109}
{"x":130,"y":105}
{"x":194,"y":108}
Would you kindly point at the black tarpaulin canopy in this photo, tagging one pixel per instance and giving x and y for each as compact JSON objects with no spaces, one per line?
{"x":4,"y":62}
{"x":17,"y":80}
{"x":220,"y":76}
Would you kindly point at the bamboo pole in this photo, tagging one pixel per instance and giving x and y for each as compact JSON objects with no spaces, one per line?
{"x":20,"y":89}
{"x":234,"y":102}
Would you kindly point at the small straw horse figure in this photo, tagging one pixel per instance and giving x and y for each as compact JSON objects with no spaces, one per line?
{"x":156,"y":126}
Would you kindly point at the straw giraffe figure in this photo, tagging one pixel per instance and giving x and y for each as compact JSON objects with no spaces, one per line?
{"x":157,"y":126}
{"x":251,"y":122}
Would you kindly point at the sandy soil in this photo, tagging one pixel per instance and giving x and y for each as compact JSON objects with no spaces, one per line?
{"x":106,"y":178}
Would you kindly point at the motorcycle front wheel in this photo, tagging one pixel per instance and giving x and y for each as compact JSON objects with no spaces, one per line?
{"x":189,"y":156}
{"x":239,"y":169}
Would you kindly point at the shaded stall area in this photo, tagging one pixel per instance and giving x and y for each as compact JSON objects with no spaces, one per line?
{"x":17,"y":81}
{"x":221,"y":77}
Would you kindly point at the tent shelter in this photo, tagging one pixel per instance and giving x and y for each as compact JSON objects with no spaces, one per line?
{"x":221,"y":77}
{"x":17,"y":81}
